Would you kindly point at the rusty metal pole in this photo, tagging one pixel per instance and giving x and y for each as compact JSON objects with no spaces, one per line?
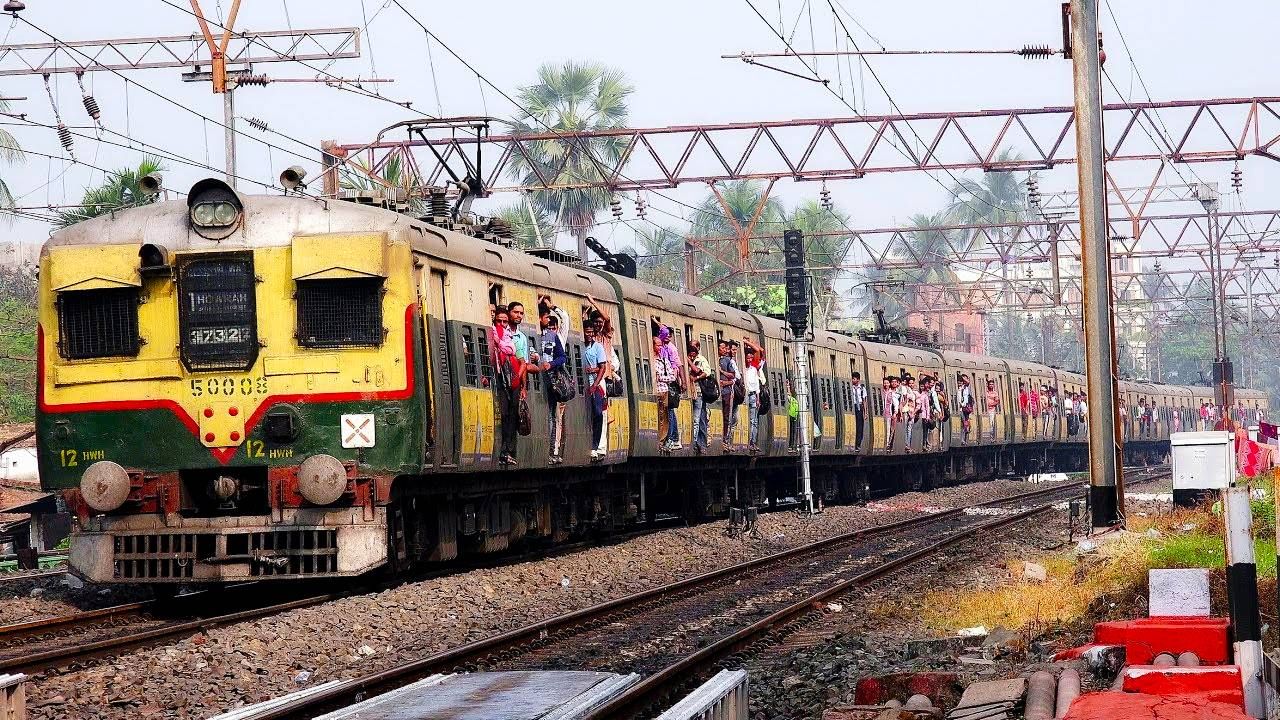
{"x":1099,"y":330}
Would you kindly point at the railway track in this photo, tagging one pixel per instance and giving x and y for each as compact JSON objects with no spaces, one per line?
{"x":82,"y":637}
{"x":670,"y":633}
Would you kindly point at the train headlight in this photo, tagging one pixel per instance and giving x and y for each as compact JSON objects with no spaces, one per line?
{"x":322,"y":479}
{"x":105,"y":486}
{"x":215,"y":209}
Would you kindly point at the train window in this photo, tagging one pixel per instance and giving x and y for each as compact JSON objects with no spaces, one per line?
{"x":482,"y":339}
{"x":98,"y":323}
{"x":469,"y":371}
{"x":217,"y":313}
{"x":340,"y":313}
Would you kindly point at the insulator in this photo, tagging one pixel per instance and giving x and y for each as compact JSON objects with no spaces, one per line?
{"x":260,"y":80}
{"x":615,"y":206}
{"x":91,"y":107}
{"x":439,"y":204}
{"x":1036,"y":52}
{"x":1237,"y":178}
{"x":64,"y":137}
{"x":257,"y":124}
{"x":641,"y":207}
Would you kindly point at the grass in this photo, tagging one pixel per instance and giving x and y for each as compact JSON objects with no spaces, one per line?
{"x":1110,"y":583}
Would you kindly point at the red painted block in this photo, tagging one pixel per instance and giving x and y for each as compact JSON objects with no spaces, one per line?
{"x":1220,"y":683}
{"x":1135,"y":706}
{"x":1145,"y":638}
{"x":943,"y":688}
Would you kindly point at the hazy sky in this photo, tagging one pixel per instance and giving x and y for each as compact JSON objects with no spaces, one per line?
{"x":670,"y":52}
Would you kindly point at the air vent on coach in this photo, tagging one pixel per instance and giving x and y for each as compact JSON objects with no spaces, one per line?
{"x":340,"y":313}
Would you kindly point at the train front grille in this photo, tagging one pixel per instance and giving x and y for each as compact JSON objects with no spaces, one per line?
{"x":272,"y":553}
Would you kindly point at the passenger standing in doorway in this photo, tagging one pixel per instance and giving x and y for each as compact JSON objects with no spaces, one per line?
{"x":859,"y":408}
{"x":699,"y":374}
{"x":754,"y":377}
{"x":555,"y":329}
{"x":728,"y":377}
{"x":507,"y":381}
{"x":924,"y":405}
{"x":992,"y":399}
{"x":908,"y":411}
{"x":596,"y":364}
{"x":1024,"y":405}
{"x":964,"y":402}
{"x":890,"y":397}
{"x":668,"y":362}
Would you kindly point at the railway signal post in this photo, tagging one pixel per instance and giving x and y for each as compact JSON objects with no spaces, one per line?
{"x":797,"y":286}
{"x":1105,"y":481}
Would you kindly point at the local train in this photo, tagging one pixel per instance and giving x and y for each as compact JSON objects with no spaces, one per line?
{"x":239,"y":387}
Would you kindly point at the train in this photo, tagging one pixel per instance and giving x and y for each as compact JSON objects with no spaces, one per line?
{"x":243,"y":387}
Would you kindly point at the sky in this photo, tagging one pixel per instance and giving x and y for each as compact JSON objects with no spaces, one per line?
{"x":670,"y":52}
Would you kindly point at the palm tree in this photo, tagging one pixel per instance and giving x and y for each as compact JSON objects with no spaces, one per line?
{"x":11,"y":153}
{"x":529,"y":232}
{"x":930,"y":249}
{"x":573,"y":97}
{"x":121,"y":190}
{"x":827,"y":243}
{"x":660,"y":257}
{"x":742,"y":197}
{"x":395,"y":174}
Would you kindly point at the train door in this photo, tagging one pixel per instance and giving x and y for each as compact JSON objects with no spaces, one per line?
{"x":441,"y":430}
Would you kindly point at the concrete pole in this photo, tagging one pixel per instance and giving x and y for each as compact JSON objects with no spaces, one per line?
{"x":1105,"y":481}
{"x":805,"y":417}
{"x":1242,"y":595}
{"x":229,"y":119}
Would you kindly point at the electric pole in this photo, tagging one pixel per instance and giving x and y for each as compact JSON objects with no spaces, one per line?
{"x":1105,"y":481}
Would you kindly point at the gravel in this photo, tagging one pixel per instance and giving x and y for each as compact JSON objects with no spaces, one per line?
{"x":35,"y":597}
{"x":253,"y":661}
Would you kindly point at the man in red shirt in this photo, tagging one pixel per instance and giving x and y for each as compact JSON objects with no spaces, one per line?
{"x":1024,"y":405}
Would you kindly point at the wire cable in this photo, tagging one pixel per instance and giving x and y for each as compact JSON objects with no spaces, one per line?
{"x":584,"y":146}
{"x":166,"y":98}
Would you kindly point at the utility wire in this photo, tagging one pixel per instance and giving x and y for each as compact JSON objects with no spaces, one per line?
{"x":600,"y":166}
{"x":338,"y":83}
{"x":164,"y":97}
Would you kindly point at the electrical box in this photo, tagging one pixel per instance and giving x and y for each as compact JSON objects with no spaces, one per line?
{"x":1203,"y":463}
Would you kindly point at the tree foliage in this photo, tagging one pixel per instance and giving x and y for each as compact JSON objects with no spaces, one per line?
{"x":572,"y":97}
{"x":121,"y":190}
{"x":17,"y":343}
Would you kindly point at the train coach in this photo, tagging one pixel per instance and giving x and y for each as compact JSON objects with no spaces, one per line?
{"x":259,"y":387}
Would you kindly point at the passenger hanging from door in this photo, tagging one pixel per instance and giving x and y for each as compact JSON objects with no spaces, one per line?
{"x":754,"y":376}
{"x":560,"y":387}
{"x":859,"y":393}
{"x":507,"y":381}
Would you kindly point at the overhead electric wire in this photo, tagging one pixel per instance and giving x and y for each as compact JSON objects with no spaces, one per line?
{"x":596,"y":161}
{"x":826,"y":84}
{"x":338,"y":82}
{"x":166,"y":98}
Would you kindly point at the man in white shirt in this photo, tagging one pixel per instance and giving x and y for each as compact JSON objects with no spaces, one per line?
{"x":859,"y":406}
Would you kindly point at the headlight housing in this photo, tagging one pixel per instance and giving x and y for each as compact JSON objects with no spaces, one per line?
{"x":215,"y":209}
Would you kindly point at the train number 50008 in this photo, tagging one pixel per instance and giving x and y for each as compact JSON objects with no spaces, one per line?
{"x":228,"y":386}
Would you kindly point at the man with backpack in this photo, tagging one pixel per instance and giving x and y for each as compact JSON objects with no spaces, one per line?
{"x":706,"y":391}
{"x":667,"y":372}
{"x":560,"y":390}
{"x":729,"y":379}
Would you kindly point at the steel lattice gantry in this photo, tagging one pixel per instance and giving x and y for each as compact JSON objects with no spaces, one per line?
{"x":844,"y":148}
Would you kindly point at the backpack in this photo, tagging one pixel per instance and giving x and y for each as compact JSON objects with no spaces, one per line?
{"x":764,"y":403}
{"x":710,"y":389}
{"x":562,"y":387}
{"x":739,"y":390}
